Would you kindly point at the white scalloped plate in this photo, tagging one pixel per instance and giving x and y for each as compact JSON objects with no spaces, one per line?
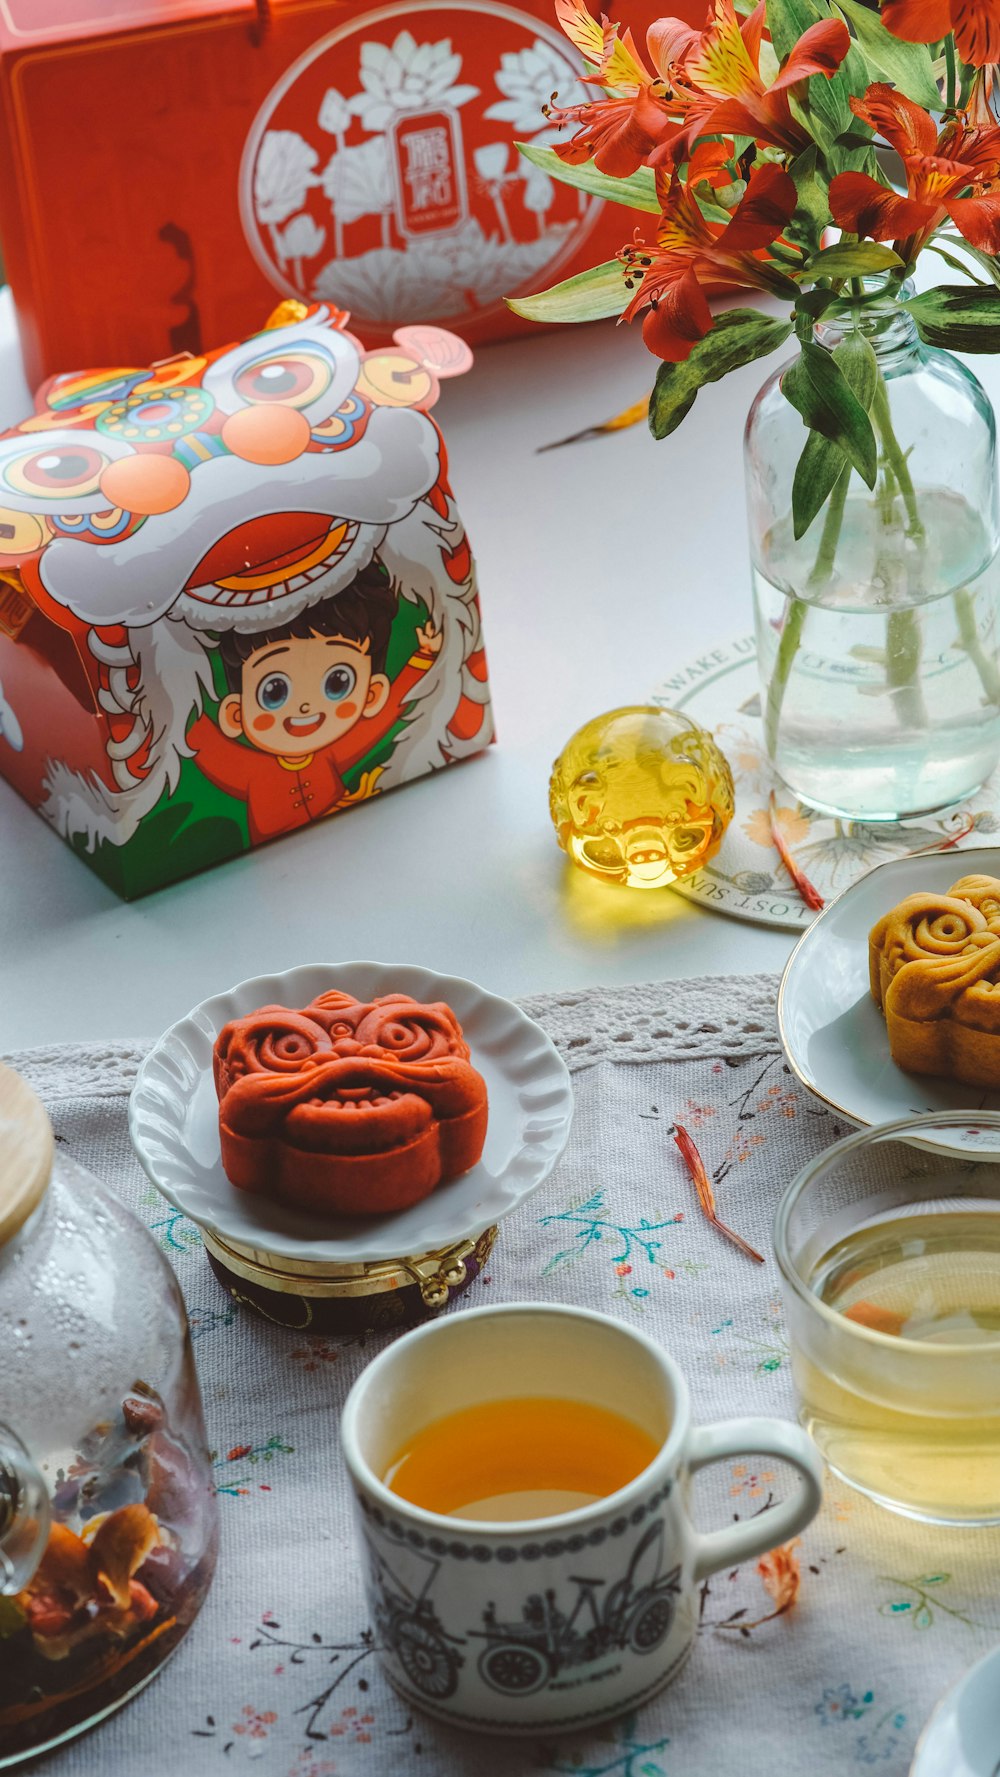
{"x":174,"y":1121}
{"x":832,"y":1032}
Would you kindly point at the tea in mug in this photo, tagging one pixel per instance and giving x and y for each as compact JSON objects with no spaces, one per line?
{"x":529,"y":1457}
{"x":934,"y":1278}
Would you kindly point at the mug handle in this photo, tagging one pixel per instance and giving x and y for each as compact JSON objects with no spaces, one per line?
{"x":740,"y":1437}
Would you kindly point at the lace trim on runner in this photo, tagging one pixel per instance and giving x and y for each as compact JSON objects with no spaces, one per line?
{"x":79,"y":1070}
{"x":719,"y":1015}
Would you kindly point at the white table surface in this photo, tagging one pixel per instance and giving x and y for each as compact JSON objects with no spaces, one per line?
{"x":603,"y":567}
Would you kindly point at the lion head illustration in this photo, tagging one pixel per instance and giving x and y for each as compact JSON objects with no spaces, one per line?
{"x":151,"y":510}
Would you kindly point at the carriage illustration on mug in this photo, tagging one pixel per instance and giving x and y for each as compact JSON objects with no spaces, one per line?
{"x":523,"y":1657}
{"x":408,"y":1626}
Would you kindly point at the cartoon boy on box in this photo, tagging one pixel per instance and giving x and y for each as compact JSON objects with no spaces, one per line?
{"x":307,"y":702}
{"x":262,"y":524}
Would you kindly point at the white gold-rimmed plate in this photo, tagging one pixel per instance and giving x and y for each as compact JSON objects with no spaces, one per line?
{"x":174,"y":1121}
{"x":962,"y":1738}
{"x":832,"y":1032}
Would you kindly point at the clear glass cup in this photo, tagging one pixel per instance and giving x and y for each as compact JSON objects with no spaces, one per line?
{"x":891,"y":1256}
{"x":877,"y":630}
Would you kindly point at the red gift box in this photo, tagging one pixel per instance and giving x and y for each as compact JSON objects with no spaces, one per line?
{"x":174,"y":163}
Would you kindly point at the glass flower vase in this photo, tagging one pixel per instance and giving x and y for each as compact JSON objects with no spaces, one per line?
{"x":877,"y":630}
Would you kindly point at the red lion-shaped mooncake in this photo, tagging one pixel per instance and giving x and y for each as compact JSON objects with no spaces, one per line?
{"x":351,"y":1107}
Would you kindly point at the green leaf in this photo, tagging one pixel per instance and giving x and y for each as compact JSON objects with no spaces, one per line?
{"x":638,"y":191}
{"x":856,"y":360}
{"x":818,"y":390}
{"x":707,"y":197}
{"x":854,"y":139}
{"x":858,"y":261}
{"x":822,"y":105}
{"x":788,"y":20}
{"x":907,"y":65}
{"x":983,"y":260}
{"x":814,"y":303}
{"x":829,"y":100}
{"x":812,"y":211}
{"x":589,"y":296}
{"x":737,"y":338}
{"x":960,"y":317}
{"x":817,"y":472}
{"x":959,"y":265}
{"x":822,"y":461}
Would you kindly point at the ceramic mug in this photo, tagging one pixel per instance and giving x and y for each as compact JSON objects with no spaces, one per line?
{"x":549,"y":1623}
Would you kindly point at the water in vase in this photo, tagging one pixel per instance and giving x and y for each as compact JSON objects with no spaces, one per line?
{"x":880,"y":681}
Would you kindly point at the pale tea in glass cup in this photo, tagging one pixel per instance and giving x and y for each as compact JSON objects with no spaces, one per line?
{"x":890,"y":1249}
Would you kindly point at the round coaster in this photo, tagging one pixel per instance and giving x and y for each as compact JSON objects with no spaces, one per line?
{"x":746,"y":877}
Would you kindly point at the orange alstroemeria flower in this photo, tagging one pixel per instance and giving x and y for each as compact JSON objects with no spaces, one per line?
{"x":690,"y":249}
{"x":978,"y":112}
{"x":955,"y":174}
{"x":616,"y":133}
{"x":976,"y":24}
{"x":715,"y":82}
{"x":701,"y":83}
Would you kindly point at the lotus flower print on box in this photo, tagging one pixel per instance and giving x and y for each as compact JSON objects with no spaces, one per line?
{"x":381,"y":172}
{"x":237,"y":594}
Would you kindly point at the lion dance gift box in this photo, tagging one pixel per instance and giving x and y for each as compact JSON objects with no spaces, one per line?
{"x":235,"y":595}
{"x":171,"y":164}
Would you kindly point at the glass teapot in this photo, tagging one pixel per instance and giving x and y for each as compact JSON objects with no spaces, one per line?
{"x":108,"y":1515}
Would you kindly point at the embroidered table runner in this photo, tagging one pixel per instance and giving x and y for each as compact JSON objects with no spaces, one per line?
{"x":281,"y":1667}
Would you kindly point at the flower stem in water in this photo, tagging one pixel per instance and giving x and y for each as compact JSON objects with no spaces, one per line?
{"x":903,"y":639}
{"x":903,"y":636}
{"x":788,"y":647}
{"x":968,"y":639}
{"x":822,"y":568}
{"x":903,"y":648}
{"x":895,"y":456}
{"x":795,"y":616}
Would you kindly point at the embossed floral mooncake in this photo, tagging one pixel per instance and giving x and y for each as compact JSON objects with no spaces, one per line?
{"x":935,"y":972}
{"x":346,"y":1106}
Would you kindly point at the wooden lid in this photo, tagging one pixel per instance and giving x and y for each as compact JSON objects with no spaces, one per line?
{"x":26,"y":1148}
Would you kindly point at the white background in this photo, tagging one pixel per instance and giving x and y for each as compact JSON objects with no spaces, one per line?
{"x":603,"y":567}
